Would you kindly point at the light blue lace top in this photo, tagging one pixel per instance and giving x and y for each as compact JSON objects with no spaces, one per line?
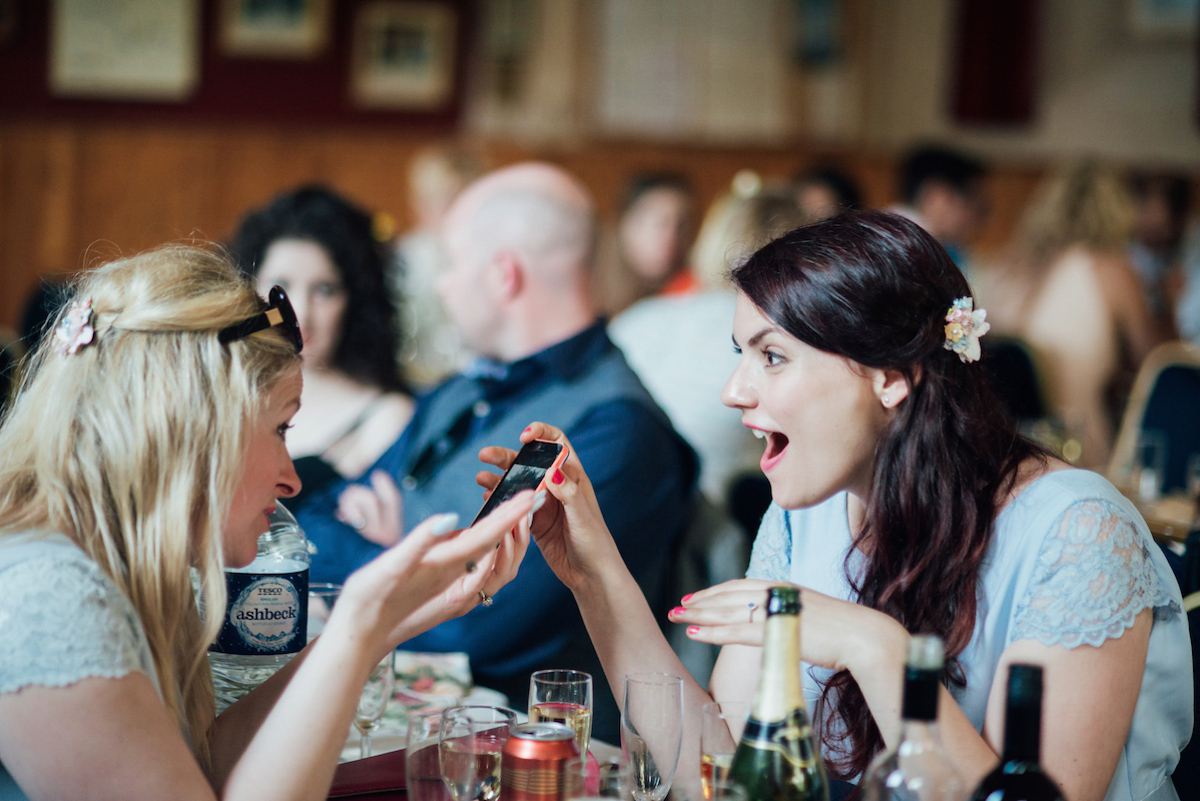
{"x":61,"y":620}
{"x":1071,"y":563}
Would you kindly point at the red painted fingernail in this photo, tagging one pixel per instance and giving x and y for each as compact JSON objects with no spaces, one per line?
{"x":693,"y":629}
{"x":686,"y":598}
{"x":679,"y":610}
{"x":557,"y":478}
{"x":527,"y":428}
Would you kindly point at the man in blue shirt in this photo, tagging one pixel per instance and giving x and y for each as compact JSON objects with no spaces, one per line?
{"x":519,"y":244}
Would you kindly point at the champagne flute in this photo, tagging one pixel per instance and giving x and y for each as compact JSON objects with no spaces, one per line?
{"x":721,"y":726}
{"x":469,"y":745}
{"x":652,"y":731}
{"x":563,"y":696}
{"x":373,"y":701}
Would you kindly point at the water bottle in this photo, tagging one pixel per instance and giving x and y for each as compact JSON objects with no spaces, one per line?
{"x":266,"y":618}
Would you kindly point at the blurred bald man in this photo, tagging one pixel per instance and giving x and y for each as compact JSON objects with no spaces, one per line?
{"x":519,"y":245}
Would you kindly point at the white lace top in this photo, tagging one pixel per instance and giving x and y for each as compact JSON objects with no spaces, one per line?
{"x":61,"y":620}
{"x":1071,"y":563}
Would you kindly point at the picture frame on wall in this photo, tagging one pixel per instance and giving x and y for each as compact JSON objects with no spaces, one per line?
{"x":139,"y":50}
{"x":1164,"y":19}
{"x":274,"y":28}
{"x":404,"y":54}
{"x":8,"y":21}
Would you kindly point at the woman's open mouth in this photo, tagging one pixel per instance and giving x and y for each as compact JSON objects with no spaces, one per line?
{"x":776,"y":446}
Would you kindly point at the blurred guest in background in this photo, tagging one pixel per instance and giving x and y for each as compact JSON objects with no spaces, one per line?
{"x":654,"y":233}
{"x":320,"y":248}
{"x":1161,"y":203}
{"x":678,"y":344}
{"x":825,"y":190}
{"x":431,"y":347}
{"x":942,"y":191}
{"x":1069,"y":290}
{"x":1187,"y":310}
{"x":519,"y":244}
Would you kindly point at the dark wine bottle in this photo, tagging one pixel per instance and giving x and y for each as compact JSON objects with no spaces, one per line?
{"x":777,"y":758}
{"x":1020,"y":777}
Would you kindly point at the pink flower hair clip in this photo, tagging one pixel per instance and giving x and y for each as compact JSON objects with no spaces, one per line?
{"x":964,"y":326}
{"x":75,"y":331}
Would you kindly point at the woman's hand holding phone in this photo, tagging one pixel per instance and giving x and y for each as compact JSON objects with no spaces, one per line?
{"x":569,"y":530}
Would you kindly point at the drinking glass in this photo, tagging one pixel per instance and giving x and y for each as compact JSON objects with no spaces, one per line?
{"x":563,"y":696}
{"x":651,"y":732}
{"x":470,"y":743}
{"x":374,"y":700}
{"x":422,"y":764}
{"x":592,"y":780}
{"x":1193,"y":477}
{"x":721,"y":727}
{"x":720,"y":790}
{"x":1150,"y":459}
{"x":321,"y":598}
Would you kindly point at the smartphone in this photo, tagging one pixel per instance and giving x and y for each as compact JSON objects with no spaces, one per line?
{"x":528,"y":471}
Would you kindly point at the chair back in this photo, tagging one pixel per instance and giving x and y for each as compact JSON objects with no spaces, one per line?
{"x":1013,"y":373}
{"x":1166,"y":398}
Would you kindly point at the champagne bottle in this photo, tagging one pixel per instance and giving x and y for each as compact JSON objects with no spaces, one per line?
{"x":777,"y":758}
{"x":1019,"y":777}
{"x":918,"y":768}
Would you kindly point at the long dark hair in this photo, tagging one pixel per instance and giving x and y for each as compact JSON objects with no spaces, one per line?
{"x":370,"y":335}
{"x":875,"y":288}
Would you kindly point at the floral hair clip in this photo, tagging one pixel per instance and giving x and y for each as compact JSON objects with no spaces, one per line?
{"x":964,"y":326}
{"x":75,"y":331}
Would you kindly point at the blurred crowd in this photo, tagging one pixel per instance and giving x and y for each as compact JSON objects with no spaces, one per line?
{"x":420,"y":348}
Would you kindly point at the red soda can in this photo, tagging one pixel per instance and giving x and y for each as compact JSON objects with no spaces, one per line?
{"x":533,"y":761}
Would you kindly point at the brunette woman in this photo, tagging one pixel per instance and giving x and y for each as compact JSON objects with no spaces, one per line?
{"x":905,"y":504}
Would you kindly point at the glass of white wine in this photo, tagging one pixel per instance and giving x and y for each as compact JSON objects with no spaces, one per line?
{"x":652,"y":731}
{"x":373,"y":701}
{"x":469,"y":744}
{"x":721,"y":725}
{"x":563,"y":696}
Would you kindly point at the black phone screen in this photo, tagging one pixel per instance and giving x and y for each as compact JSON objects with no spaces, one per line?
{"x":531,"y":464}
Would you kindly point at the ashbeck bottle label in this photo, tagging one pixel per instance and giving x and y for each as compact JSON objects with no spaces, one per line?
{"x":267,"y":614}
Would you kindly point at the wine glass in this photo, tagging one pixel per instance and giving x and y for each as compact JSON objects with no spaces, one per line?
{"x":652,"y":731}
{"x":373,"y":701}
{"x":469,"y":744}
{"x":721,"y":725}
{"x":595,"y":780}
{"x":422,"y":763}
{"x":321,"y":598}
{"x":563,"y":696}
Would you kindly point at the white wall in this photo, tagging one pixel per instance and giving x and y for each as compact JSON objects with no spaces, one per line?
{"x":1103,"y":90}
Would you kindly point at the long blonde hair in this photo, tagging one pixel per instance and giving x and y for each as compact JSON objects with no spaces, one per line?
{"x":739,"y":222}
{"x":1085,"y":203}
{"x":134,"y":446}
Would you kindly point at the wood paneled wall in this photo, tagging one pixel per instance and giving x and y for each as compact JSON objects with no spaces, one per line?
{"x":73,"y":194}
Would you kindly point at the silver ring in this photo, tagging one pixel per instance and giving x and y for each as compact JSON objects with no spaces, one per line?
{"x":470,"y":565}
{"x":484,"y":599}
{"x":752,"y":606}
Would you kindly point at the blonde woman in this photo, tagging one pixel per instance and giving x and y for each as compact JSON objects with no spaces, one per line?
{"x":1071,"y":293}
{"x":148,"y":440}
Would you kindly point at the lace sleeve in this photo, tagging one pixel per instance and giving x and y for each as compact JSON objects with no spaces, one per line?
{"x":1093,"y":575}
{"x":62,"y":620}
{"x":771,"y":558}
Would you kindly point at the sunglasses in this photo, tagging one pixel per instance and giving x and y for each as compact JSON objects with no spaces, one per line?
{"x":278,"y":312}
